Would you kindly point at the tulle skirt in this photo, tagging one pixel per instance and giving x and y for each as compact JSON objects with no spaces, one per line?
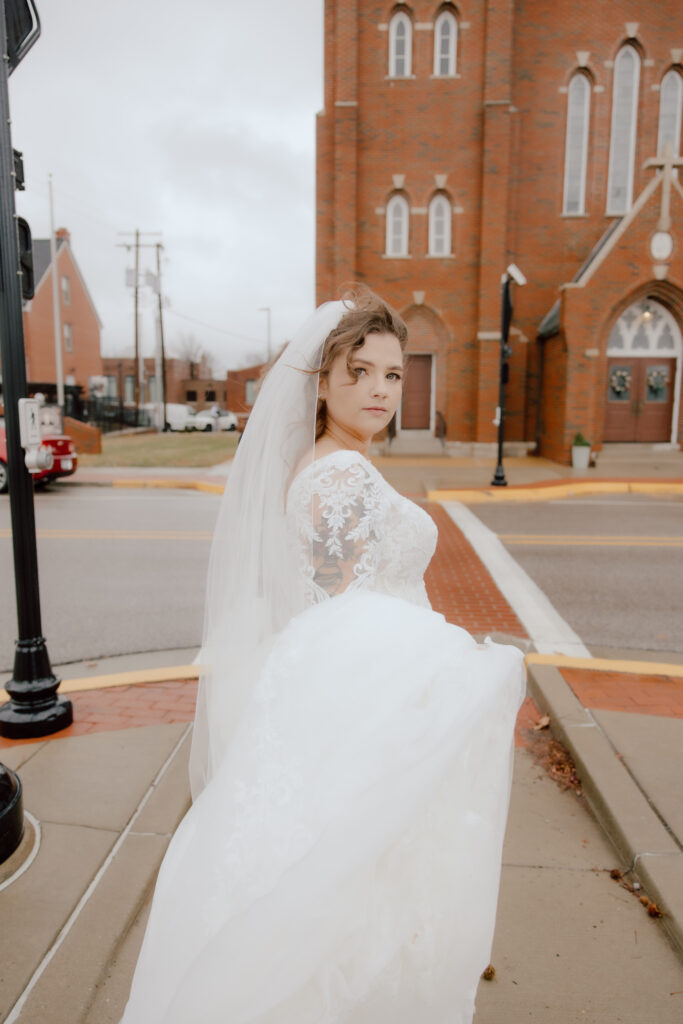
{"x":343,"y":864}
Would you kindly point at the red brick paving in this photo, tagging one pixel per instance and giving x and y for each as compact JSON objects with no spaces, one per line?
{"x":460,"y":586}
{"x":622,"y":691}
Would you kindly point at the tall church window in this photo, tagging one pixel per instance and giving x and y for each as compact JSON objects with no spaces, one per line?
{"x":439,"y":226}
{"x":400,"y":46}
{"x":576,"y":145}
{"x":623,"y":131}
{"x":445,"y":44}
{"x":397,"y":226}
{"x":670,"y":106}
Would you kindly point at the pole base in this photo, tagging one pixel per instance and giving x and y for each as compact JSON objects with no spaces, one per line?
{"x":499,"y":477}
{"x":11,"y":813}
{"x":34,"y":709}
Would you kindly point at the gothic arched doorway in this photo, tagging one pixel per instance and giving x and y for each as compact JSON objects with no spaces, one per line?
{"x":643,"y":375}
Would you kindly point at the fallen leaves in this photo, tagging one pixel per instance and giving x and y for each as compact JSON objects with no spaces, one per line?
{"x":552,"y":756}
{"x":489,"y":973}
{"x":634,"y":888}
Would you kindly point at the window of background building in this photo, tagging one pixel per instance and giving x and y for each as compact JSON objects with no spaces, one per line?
{"x":439,"y":226}
{"x":129,"y":388}
{"x":68,"y":338}
{"x":622,"y":144}
{"x":397,"y":226}
{"x":152,"y":388}
{"x":576,"y":145}
{"x":250,"y":392}
{"x":110,"y":386}
{"x":190,"y":396}
{"x":66,"y":290}
{"x":670,"y":110}
{"x":445,"y":44}
{"x":210,"y":395}
{"x":400,"y":45}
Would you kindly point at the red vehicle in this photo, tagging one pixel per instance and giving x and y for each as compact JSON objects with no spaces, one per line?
{"x":63,"y":453}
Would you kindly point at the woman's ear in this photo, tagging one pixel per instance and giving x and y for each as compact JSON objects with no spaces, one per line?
{"x":322,"y":386}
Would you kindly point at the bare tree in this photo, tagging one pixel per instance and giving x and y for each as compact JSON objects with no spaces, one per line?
{"x":188,"y":347}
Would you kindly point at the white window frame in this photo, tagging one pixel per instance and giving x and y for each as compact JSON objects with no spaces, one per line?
{"x":439,"y":206}
{"x":577,"y":106}
{"x":68,"y":338}
{"x":449,"y":19}
{"x":672,"y":76}
{"x":400,"y":18}
{"x":66,"y":290}
{"x":622,"y":115}
{"x":397,"y":215}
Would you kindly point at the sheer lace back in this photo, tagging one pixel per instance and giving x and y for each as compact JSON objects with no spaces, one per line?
{"x":354,"y":531}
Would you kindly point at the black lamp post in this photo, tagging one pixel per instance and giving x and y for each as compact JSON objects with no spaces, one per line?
{"x":34,"y":709}
{"x":512,"y":273}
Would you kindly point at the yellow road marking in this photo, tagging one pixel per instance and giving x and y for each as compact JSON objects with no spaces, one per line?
{"x":642,"y":668}
{"x":118,"y":534}
{"x":591,"y":541}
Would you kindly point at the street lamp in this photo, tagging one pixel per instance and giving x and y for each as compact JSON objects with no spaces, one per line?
{"x":266,"y":309}
{"x":513,"y":273}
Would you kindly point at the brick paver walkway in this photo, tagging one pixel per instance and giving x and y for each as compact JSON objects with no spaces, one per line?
{"x":620,"y":691}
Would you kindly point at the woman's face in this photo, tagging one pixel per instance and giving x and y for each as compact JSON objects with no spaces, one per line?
{"x":360,"y":405}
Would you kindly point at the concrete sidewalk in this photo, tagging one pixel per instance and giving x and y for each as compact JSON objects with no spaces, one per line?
{"x":572,"y":944}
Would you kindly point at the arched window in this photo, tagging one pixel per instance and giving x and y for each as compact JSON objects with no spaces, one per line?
{"x":576,"y":145}
{"x":622,"y":146}
{"x":670,"y":106}
{"x":439,"y":226}
{"x":445,"y":44}
{"x":397,"y":226}
{"x":400,"y":45}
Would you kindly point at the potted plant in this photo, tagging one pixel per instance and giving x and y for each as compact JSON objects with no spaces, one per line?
{"x":581,"y":452}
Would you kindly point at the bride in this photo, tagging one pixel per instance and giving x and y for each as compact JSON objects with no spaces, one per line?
{"x":351,"y":758}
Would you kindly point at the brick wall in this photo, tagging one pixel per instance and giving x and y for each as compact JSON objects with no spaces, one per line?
{"x":496,"y":134}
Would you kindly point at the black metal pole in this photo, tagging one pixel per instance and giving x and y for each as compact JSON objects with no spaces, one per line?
{"x":506,"y":313}
{"x":34,"y":709}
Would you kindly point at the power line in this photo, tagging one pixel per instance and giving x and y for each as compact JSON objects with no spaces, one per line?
{"x":210,"y":327}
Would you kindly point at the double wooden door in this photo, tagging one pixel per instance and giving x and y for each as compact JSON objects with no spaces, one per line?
{"x":639,"y":399}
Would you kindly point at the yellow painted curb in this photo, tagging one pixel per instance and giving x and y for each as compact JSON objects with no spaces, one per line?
{"x":183,"y":485}
{"x":551,"y":492}
{"x":171,"y":674}
{"x":641,"y":668}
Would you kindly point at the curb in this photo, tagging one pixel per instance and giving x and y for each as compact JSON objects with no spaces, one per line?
{"x":639,"y":835}
{"x":554,"y":491}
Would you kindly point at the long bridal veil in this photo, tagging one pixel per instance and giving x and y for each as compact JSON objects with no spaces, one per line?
{"x":253,"y":586}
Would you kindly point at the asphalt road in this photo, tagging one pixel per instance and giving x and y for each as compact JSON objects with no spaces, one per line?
{"x":124,"y":571}
{"x":611,"y":566}
{"x":121,"y":571}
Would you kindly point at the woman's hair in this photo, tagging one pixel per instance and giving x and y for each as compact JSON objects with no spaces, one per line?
{"x":367,"y":314}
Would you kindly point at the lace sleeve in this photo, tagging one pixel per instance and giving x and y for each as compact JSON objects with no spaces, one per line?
{"x":339,"y":529}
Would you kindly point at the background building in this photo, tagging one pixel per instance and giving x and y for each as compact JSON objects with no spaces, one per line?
{"x":456,"y":139}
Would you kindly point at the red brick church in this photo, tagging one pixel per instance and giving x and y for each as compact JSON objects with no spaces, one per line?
{"x":457,"y":139}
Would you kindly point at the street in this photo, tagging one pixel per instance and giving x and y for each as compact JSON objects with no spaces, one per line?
{"x":123,"y":570}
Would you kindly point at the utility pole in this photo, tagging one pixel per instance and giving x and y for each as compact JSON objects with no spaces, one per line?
{"x":139,"y":366}
{"x":159,"y":247}
{"x":56,"y":319}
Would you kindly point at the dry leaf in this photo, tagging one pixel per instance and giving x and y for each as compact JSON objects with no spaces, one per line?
{"x":489,"y":973}
{"x":542,"y":723}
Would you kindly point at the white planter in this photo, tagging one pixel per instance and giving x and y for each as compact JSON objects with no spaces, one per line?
{"x":581,"y":455}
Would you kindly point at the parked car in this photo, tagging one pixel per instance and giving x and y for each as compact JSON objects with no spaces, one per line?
{"x":63,"y":453}
{"x":178,"y":416}
{"x":214,"y":419}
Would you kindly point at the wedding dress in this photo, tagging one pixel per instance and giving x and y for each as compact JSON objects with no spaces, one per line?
{"x":342,"y":864}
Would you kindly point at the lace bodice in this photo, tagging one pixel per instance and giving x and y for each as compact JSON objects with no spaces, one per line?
{"x":355,"y":531}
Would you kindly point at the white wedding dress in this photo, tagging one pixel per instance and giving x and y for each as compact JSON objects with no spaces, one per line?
{"x":343,"y":863}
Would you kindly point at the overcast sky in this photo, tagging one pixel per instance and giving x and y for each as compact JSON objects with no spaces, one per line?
{"x":193,"y":119}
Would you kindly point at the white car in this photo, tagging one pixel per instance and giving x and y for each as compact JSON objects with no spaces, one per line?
{"x":213,"y":419}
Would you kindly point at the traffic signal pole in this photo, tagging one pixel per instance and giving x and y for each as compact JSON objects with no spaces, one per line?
{"x":34,"y":709}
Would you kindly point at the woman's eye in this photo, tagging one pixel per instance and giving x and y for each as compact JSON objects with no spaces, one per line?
{"x":358,"y":370}
{"x":394,"y":376}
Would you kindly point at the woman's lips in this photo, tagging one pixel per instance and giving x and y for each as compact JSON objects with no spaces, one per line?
{"x":374,"y":408}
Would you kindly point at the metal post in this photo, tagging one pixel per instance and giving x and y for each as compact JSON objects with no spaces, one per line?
{"x":161,"y":333}
{"x":34,"y":709}
{"x":506,"y":312}
{"x":56,"y":319}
